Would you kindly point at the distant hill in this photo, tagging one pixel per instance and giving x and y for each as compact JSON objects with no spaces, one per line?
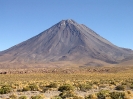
{"x":66,"y":41}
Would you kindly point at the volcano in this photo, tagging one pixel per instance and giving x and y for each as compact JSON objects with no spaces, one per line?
{"x":66,"y":41}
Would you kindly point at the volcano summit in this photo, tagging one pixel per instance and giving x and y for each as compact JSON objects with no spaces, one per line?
{"x":66,"y":41}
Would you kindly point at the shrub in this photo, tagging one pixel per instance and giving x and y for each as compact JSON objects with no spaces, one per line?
{"x":120,"y":87}
{"x":69,"y":95}
{"x":52,"y":85}
{"x":37,"y":97}
{"x":91,"y":96}
{"x":22,"y":97}
{"x":131,"y":86}
{"x":66,"y":87}
{"x":113,"y":82}
{"x":5,"y":89}
{"x":96,"y":82}
{"x":103,"y":94}
{"x":117,"y":95}
{"x":85,"y":87}
{"x":66,"y":94}
{"x":78,"y":97}
{"x":26,"y":89}
{"x":13,"y":96}
{"x":33,"y":87}
{"x":127,"y":95}
{"x":45,"y":89}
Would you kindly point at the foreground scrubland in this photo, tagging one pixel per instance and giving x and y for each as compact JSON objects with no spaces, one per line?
{"x":94,"y":85}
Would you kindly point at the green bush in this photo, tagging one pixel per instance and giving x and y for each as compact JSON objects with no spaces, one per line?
{"x":33,"y":87}
{"x":68,"y":95}
{"x":5,"y":89}
{"x":85,"y":87}
{"x":103,"y":94}
{"x":37,"y":97}
{"x":66,"y":87}
{"x":22,"y":97}
{"x":117,"y":95}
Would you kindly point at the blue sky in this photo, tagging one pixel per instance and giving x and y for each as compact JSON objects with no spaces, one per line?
{"x":23,"y":19}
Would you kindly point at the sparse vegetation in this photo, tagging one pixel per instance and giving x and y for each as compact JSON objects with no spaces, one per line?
{"x":66,"y":87}
{"x":97,"y":85}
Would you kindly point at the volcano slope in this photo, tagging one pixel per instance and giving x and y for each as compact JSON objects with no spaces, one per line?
{"x":65,"y":42}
